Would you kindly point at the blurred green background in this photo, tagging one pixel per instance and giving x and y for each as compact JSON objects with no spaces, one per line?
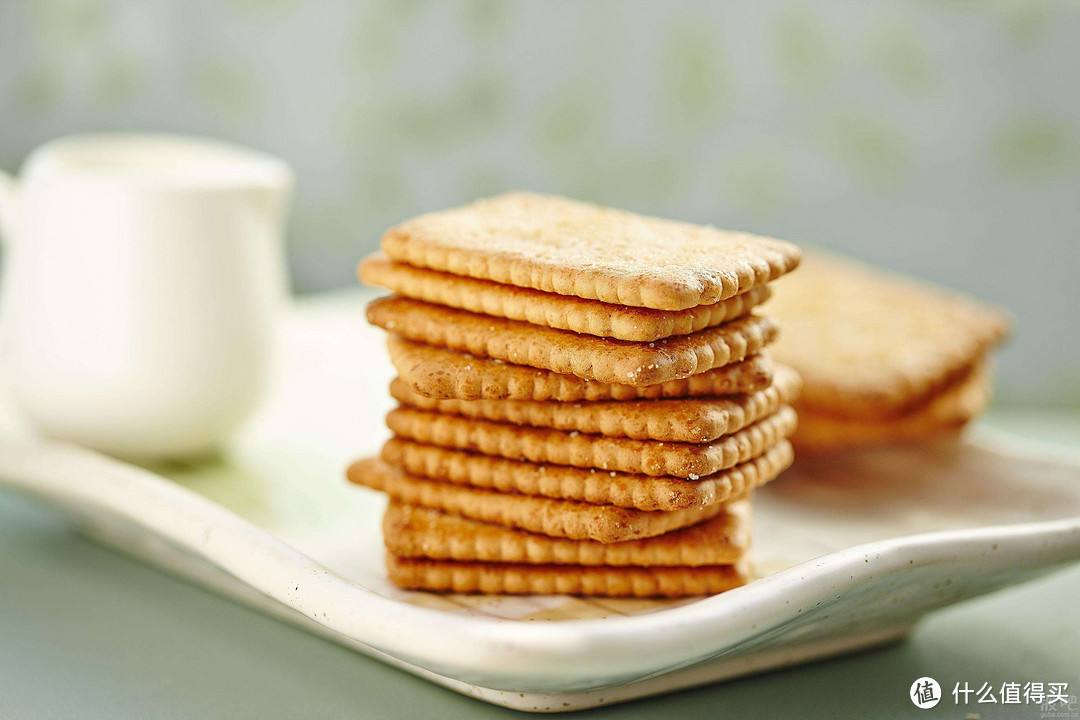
{"x":937,"y":138}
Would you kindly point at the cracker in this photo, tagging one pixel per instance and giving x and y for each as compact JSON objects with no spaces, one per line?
{"x":557,"y":518}
{"x":872,"y":344}
{"x":510,"y":579}
{"x":694,"y":420}
{"x":574,"y":248}
{"x":440,"y":373}
{"x":566,"y":312}
{"x":413,"y":531}
{"x":560,"y":351}
{"x":642,"y":492}
{"x":946,"y":412}
{"x":647,"y":457}
{"x":821,"y":434}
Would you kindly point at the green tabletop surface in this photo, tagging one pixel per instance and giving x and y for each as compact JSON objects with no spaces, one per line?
{"x":86,"y":633}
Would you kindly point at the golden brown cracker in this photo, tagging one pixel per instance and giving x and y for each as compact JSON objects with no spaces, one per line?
{"x":695,"y":420}
{"x":820,"y":434}
{"x":510,"y":579}
{"x":415,"y":531}
{"x":573,"y":248}
{"x":557,"y":518}
{"x":560,"y":351}
{"x":565,"y":312}
{"x":646,"y":457}
{"x":873,"y":344}
{"x":946,"y":412}
{"x":441,"y":373}
{"x":600,"y":487}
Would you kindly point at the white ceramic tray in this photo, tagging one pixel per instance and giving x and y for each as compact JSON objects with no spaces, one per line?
{"x":852,"y":552}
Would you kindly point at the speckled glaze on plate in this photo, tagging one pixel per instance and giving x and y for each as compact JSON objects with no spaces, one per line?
{"x":852,"y":552}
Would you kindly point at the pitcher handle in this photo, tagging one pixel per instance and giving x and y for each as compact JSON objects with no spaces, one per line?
{"x":9,"y":206}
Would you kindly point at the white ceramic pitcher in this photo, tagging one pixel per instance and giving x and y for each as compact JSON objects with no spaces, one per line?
{"x":142,"y":277}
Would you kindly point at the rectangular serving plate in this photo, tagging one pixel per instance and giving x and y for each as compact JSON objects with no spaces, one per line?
{"x":851,"y":551}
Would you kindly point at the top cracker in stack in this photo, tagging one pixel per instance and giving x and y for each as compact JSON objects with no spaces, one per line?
{"x":884,"y":358}
{"x":576,"y":249}
{"x":571,"y":375}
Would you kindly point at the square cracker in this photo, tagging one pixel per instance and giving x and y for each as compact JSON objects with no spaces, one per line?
{"x":597,"y":487}
{"x":560,"y":351}
{"x":557,"y":518}
{"x":869,"y":344}
{"x":574,"y":248}
{"x":510,"y":579}
{"x":564,"y":312}
{"x":693,"y":420}
{"x":645,"y":457}
{"x":440,"y":373}
{"x":415,"y":531}
{"x":945,"y":413}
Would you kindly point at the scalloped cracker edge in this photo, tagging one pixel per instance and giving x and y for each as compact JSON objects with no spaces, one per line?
{"x":557,"y":518}
{"x":565,"y":312}
{"x":694,"y":420}
{"x":646,"y":457}
{"x":440,"y":373}
{"x":560,"y":351}
{"x":509,"y":579}
{"x":415,"y":531}
{"x":567,"y":247}
{"x":598,"y":487}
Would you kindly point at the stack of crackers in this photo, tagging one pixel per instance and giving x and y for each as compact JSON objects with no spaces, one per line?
{"x":884,"y":359}
{"x":586,"y":400}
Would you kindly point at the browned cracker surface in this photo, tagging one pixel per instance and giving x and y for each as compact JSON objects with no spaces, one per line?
{"x":441,"y":373}
{"x":647,"y":457}
{"x":557,"y":518}
{"x":602,"y":487}
{"x":949,"y":410}
{"x":872,"y":344}
{"x":586,"y":356}
{"x":414,"y":531}
{"x":565,"y":312}
{"x":573,"y":248}
{"x":695,"y":420}
{"x":510,"y":579}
